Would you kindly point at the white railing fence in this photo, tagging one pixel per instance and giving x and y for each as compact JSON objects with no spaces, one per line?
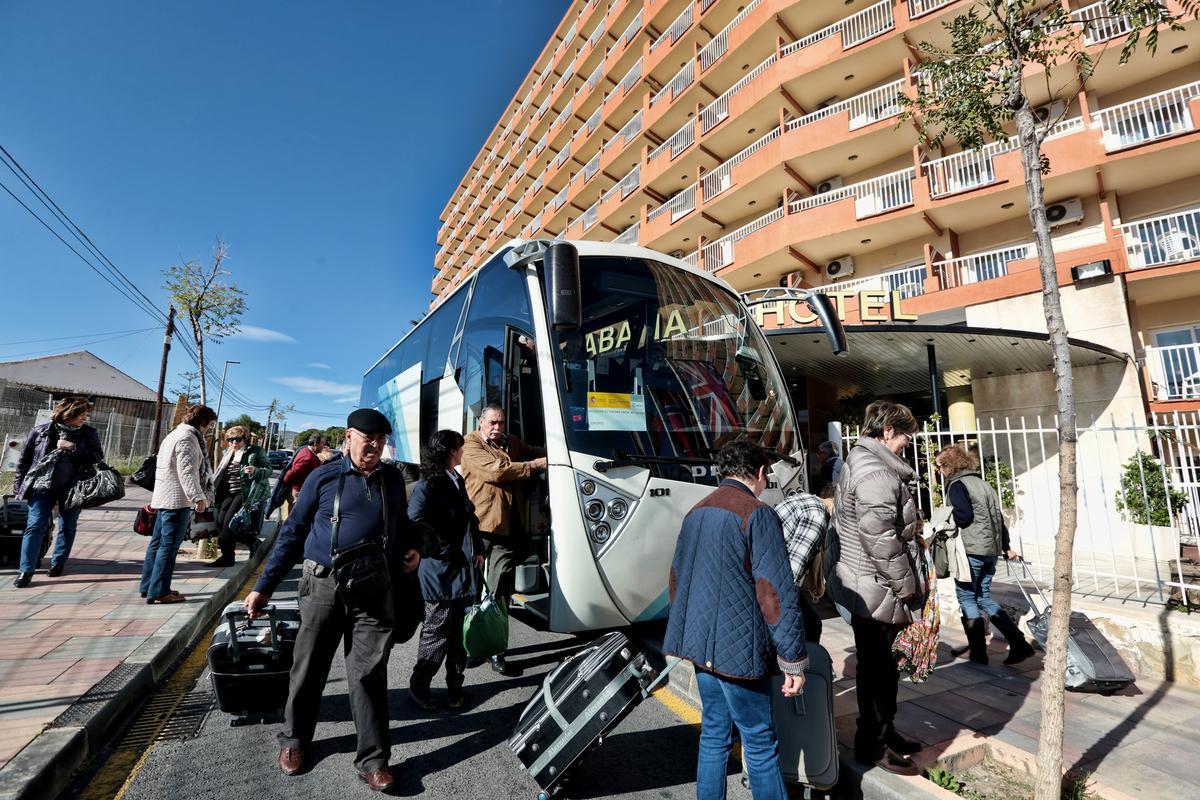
{"x":985,"y":266}
{"x":874,"y":196}
{"x":1138,"y":496}
{"x":1175,"y":371}
{"x":721,"y":178}
{"x":1099,"y":23}
{"x":1146,"y":119}
{"x":718,"y":109}
{"x":719,"y":45}
{"x":917,"y":8}
{"x":855,"y":29}
{"x":675,"y":29}
{"x":717,"y":254}
{"x":971,"y":169}
{"x":1165,"y":239}
{"x":629,"y":236}
{"x":870,"y":106}
{"x":908,"y":281}
{"x":679,"y":141}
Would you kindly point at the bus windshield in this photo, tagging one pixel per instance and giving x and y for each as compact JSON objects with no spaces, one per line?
{"x":666,"y":365}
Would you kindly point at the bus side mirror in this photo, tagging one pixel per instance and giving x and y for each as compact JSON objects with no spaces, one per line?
{"x":822,"y":306}
{"x":562,"y":283}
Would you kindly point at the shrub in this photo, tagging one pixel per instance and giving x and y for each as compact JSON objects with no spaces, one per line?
{"x":1145,"y":488}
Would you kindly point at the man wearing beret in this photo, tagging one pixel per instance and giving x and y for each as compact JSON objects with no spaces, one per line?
{"x":371,"y":506}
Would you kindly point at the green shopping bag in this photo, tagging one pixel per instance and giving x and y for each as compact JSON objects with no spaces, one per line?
{"x":485,"y":628}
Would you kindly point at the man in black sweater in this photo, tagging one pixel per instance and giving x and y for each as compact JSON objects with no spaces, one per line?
{"x":372,"y":507}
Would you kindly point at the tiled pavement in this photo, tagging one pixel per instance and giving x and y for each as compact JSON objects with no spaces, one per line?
{"x":61,"y":636}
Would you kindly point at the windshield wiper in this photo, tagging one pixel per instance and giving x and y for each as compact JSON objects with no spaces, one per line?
{"x":634,"y":460}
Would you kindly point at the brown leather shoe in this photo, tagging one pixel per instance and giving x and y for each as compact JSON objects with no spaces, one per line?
{"x":291,"y":760}
{"x":378,"y":779}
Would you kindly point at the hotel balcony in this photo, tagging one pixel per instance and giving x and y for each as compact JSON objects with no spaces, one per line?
{"x":1174,"y":372}
{"x":1162,"y":240}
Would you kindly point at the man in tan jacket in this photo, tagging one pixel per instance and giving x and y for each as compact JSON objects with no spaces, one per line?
{"x":495,"y":465}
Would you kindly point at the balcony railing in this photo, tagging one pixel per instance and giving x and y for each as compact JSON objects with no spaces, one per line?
{"x":721,"y":178}
{"x":866,"y":108}
{"x":678,"y":206}
{"x":632,"y":29}
{"x":629,"y":236}
{"x":675,"y":29}
{"x":715,"y":255}
{"x":718,"y":109}
{"x":628,"y":131}
{"x":561,"y":197}
{"x":874,"y":196}
{"x":1099,"y":23}
{"x":625,"y":186}
{"x":593,"y":164}
{"x":631,"y":78}
{"x":1167,"y":239}
{"x":908,"y":281}
{"x":679,"y":141}
{"x":591,"y":216}
{"x":855,"y":29}
{"x":719,"y":45}
{"x":971,"y":169}
{"x":919,"y":8}
{"x":1148,"y":118}
{"x":982,"y":266}
{"x":1175,"y":370}
{"x":677,"y":84}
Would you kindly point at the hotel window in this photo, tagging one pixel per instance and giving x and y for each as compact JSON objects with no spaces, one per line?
{"x":1175,"y":363}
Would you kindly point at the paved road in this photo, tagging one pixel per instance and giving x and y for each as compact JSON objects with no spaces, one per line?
{"x":652,"y":754}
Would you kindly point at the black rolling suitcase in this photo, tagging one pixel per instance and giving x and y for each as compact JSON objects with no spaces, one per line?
{"x":249,"y":661}
{"x":14,"y":516}
{"x":580,"y":701}
{"x":1093,"y":664}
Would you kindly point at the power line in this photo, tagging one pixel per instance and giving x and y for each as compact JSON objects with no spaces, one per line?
{"x":34,"y":353}
{"x":78,"y":336}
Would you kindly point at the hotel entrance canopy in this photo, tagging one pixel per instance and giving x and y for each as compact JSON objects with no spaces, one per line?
{"x":894,"y":359}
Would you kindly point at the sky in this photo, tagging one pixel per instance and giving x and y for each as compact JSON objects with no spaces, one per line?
{"x":319,"y":140}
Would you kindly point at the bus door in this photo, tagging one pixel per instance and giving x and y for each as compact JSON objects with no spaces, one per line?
{"x":524,"y":415}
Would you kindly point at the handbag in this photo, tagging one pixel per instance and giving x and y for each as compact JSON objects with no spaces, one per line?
{"x":361,"y":571}
{"x":485,"y":624}
{"x":104,"y":485}
{"x":143,"y":476}
{"x":204,"y":526}
{"x":143,"y":522}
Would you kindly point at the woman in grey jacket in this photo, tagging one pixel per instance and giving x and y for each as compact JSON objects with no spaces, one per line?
{"x":874,"y":574}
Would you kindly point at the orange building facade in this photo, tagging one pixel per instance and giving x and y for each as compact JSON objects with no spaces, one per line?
{"x":760,"y":141}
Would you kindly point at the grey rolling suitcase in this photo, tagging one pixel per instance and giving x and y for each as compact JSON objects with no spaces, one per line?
{"x":804,"y":725}
{"x":1093,"y":664}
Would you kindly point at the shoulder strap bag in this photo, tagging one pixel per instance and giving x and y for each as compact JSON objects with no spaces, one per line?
{"x":361,"y":570}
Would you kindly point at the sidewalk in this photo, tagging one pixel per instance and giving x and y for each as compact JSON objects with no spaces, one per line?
{"x":81,"y":649}
{"x":1139,"y":744}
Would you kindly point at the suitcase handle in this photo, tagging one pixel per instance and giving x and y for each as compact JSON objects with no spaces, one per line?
{"x":231,"y":618}
{"x":1021,"y":586}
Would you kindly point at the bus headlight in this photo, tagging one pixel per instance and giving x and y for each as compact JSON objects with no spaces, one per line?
{"x":601,"y":532}
{"x":588,"y":487}
{"x":594,"y":511}
{"x":617,"y":508}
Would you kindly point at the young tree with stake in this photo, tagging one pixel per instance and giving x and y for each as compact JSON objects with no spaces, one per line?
{"x":967,"y":92}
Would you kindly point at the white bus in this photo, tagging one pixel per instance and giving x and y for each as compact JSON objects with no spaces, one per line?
{"x":631,"y":368}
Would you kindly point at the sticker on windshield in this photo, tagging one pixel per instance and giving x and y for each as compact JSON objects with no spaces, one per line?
{"x":615,"y":411}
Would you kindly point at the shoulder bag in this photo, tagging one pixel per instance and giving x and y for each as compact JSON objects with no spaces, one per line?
{"x":103,"y":485}
{"x":144,"y":475}
{"x":361,"y":570}
{"x":485,"y":625}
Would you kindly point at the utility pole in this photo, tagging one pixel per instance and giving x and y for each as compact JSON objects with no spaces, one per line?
{"x":162,"y":380}
{"x":220,"y":398}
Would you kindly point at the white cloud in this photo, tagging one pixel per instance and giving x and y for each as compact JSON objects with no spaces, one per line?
{"x":253,"y":333}
{"x":317,"y":386}
{"x":350,"y":400}
{"x":318,"y":365}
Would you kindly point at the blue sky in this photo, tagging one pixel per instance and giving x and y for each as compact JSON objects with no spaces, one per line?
{"x":320,"y":140}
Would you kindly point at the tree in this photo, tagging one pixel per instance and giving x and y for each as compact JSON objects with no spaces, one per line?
{"x":248,"y":422}
{"x":303,"y":437}
{"x":212,"y":305}
{"x":967,"y":93}
{"x":186,"y":384}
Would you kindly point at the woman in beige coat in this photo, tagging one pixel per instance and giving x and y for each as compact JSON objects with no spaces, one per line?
{"x":874,"y":574}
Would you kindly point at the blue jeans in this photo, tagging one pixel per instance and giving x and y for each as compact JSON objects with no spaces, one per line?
{"x":169,"y":526}
{"x":746,"y":703}
{"x":41,"y":507}
{"x":975,"y":598}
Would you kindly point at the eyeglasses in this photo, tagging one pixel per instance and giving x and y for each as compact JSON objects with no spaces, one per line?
{"x":233,"y":439}
{"x":374,"y":438}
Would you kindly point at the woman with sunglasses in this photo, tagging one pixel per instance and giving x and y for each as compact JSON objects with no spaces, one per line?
{"x":243,"y":481}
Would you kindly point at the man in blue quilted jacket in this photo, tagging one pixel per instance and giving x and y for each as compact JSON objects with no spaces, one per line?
{"x":735,"y":615}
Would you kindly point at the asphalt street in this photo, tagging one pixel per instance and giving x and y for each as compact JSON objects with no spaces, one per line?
{"x":440,"y":754}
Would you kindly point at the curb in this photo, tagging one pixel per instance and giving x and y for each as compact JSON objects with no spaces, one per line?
{"x":46,"y":765}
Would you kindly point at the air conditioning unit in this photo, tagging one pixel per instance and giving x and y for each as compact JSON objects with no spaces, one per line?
{"x":829,"y":184}
{"x":827,"y":102}
{"x":1064,"y":211}
{"x":676,"y":254}
{"x":1049,"y":113}
{"x":786,"y":279}
{"x":839,"y":268}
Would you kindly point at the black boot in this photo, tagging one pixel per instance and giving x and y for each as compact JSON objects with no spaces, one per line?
{"x":418,"y":684}
{"x":1019,"y":648}
{"x":976,"y":641}
{"x":226,"y":560}
{"x":22,"y":580}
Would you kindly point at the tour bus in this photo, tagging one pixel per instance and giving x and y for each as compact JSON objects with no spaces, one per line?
{"x":632,"y":369}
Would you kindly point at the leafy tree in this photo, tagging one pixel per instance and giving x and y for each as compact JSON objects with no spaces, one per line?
{"x":335,"y":434}
{"x":305,"y":435}
{"x":246,"y":421}
{"x":1145,"y":489}
{"x":212,"y":305}
{"x":968,"y":92}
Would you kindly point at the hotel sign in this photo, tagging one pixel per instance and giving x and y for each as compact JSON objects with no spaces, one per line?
{"x":872,"y":306}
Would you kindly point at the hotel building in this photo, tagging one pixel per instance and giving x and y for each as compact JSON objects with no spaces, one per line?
{"x":760,"y":140}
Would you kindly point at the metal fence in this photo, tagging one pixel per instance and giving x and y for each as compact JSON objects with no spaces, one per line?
{"x":1138,"y":496}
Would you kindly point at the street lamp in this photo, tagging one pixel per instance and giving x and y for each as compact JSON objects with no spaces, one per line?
{"x":220,"y":398}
